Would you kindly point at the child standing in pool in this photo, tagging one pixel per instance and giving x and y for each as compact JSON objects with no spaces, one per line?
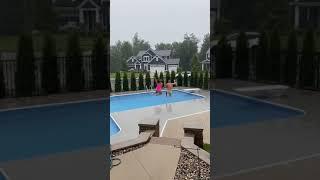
{"x":159,"y":87}
{"x":169,"y":88}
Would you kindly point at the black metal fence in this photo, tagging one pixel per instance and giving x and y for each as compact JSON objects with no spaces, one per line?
{"x":9,"y":71}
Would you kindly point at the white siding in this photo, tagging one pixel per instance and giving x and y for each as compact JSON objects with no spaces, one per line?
{"x":172,"y":68}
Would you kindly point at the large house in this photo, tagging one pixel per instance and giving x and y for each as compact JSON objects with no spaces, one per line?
{"x":153,"y":60}
{"x":86,"y":15}
{"x":305,"y":13}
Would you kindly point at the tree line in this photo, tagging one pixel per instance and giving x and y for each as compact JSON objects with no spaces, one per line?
{"x":197,"y":79}
{"x":185,"y":50}
{"x":25,"y":66}
{"x":269,"y":66}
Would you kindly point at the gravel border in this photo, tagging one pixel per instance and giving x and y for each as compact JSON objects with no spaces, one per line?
{"x":188,"y":165}
{"x":126,"y":150}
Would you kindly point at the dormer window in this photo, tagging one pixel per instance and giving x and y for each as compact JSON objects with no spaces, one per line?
{"x":146,"y":58}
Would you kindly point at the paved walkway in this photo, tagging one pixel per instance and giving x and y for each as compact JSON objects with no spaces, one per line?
{"x":152,"y":162}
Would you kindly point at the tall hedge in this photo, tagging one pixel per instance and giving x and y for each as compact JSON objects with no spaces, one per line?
{"x":185,"y":79}
{"x":242,"y":57}
{"x":110,"y":87}
{"x":161,"y":77}
{"x":148,"y":80}
{"x":262,"y":60}
{"x":125,"y":82}
{"x":206,"y":80}
{"x":224,"y":59}
{"x":192,"y":79}
{"x":75,"y":79}
{"x":168,"y":79}
{"x":195,"y":79}
{"x":25,"y":75}
{"x":50,"y":80}
{"x":200,"y":81}
{"x":179,"y":79}
{"x":173,"y":76}
{"x":307,"y":71}
{"x":141,"y":81}
{"x":155,"y":77}
{"x":274,"y":68}
{"x":99,"y":64}
{"x":2,"y":85}
{"x":117,"y":86}
{"x":133,"y":82}
{"x":291,"y":60}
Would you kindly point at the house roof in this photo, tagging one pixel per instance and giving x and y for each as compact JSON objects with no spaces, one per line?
{"x":163,"y":52}
{"x":172,"y":61}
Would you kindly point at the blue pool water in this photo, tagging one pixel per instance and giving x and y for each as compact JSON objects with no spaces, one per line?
{"x":232,"y":110}
{"x":52,"y":129}
{"x":142,"y":100}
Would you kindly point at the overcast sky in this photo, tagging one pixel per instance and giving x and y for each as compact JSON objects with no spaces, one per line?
{"x":158,"y":20}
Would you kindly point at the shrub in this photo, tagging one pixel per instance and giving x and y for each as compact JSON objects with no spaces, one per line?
{"x":141,"y":83}
{"x":200,"y":81}
{"x":242,"y":57}
{"x":262,"y":60}
{"x":99,"y":64}
{"x":155,"y":77}
{"x":307,"y":61}
{"x":25,"y":75}
{"x":117,"y":86}
{"x":161,"y":78}
{"x":291,"y":61}
{"x":195,"y":79}
{"x":223,"y":63}
{"x":125,"y":82}
{"x":110,"y":85}
{"x":2,"y":85}
{"x":179,"y":79}
{"x":168,"y":79}
{"x":173,"y":76}
{"x":50,"y":80}
{"x":206,"y":80}
{"x":192,"y":79}
{"x":185,"y":79}
{"x":148,"y":80}
{"x":74,"y":64}
{"x":133,"y":85}
{"x":274,"y":66}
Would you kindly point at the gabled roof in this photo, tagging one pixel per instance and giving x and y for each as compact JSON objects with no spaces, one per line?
{"x":159,"y":59}
{"x":172,"y":61}
{"x":155,"y":52}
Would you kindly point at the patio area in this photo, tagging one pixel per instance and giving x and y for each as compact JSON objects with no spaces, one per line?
{"x":272,"y":149}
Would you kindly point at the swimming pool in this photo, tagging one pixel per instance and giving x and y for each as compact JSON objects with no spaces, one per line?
{"x":232,"y":110}
{"x":50,"y":129}
{"x":142,"y":100}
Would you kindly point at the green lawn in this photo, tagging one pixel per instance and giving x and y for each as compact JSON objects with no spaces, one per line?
{"x":207,"y":147}
{"x":9,"y":43}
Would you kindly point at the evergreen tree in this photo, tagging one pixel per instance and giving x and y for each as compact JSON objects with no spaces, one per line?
{"x":274,"y":68}
{"x":50,"y":80}
{"x":161,"y":78}
{"x":195,"y":79}
{"x":125,"y":82}
{"x":224,"y":59}
{"x":200,"y":81}
{"x":185,"y":79}
{"x":173,"y":76}
{"x":307,"y":67}
{"x":133,"y":86}
{"x":141,"y":83}
{"x":167,"y":77}
{"x":110,"y":85}
{"x":206,"y":80}
{"x":195,"y":64}
{"x":192,"y":79}
{"x":25,"y":75}
{"x":148,"y":80}
{"x":75,"y":77}
{"x":2,"y":85}
{"x":117,"y":86}
{"x":291,"y":61}
{"x":242,"y":57}
{"x":180,"y":80}
{"x":155,"y":78}
{"x":262,"y":60}
{"x":99,"y":64}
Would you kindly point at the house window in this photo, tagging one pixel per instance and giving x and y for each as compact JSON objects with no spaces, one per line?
{"x":157,"y":59}
{"x":146,"y":58}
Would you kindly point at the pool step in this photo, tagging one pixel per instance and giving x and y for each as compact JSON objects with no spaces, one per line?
{"x":165,"y":141}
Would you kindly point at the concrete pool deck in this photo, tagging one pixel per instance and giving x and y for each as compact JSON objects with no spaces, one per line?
{"x":128,"y":120}
{"x":275,"y":149}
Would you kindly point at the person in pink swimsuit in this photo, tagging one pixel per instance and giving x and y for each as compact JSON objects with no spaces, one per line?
{"x":159,"y":87}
